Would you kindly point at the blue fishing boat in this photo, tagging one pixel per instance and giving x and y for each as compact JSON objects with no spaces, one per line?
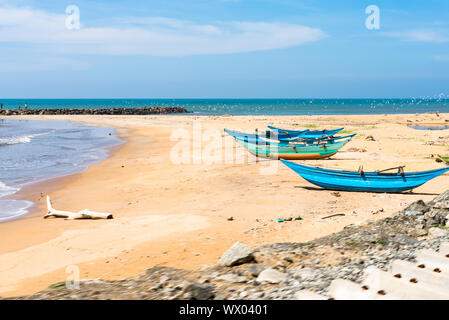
{"x":305,"y":133}
{"x":297,"y":143}
{"x":378,"y":181}
{"x":293,"y":151}
{"x":261,"y":139}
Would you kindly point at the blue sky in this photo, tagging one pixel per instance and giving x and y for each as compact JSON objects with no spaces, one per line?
{"x":223,"y":49}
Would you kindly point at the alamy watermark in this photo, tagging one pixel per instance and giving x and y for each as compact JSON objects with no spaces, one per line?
{"x":372,"y":22}
{"x":72,"y":20}
{"x":199,"y":146}
{"x":73,"y":280}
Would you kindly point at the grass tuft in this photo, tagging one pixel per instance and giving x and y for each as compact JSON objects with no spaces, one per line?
{"x":57,"y":285}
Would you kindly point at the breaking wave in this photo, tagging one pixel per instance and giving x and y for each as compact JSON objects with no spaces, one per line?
{"x":21,"y":139}
{"x":5,"y":190}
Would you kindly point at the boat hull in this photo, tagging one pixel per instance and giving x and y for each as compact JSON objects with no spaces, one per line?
{"x":293,"y":152}
{"x":299,"y":156}
{"x":367,"y":182}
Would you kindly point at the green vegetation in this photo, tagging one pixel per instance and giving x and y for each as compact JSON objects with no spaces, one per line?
{"x":441,"y":226}
{"x":310,"y":126}
{"x":445,"y":159}
{"x":305,"y":244}
{"x":57,"y":285}
{"x":405,"y":138}
{"x":352,"y":244}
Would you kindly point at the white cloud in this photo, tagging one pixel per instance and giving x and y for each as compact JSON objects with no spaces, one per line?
{"x":149,"y":36}
{"x":45,"y":64}
{"x":441,"y":58}
{"x":421,"y":36}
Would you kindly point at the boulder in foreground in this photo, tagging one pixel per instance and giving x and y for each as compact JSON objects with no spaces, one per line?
{"x":272,"y":276}
{"x":239,"y":253}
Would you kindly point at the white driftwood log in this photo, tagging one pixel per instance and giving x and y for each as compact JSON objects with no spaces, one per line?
{"x":83,"y":214}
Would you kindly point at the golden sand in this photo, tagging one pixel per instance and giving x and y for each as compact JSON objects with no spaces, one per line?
{"x":177,"y":214}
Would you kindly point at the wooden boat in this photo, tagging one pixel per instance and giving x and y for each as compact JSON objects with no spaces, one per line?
{"x":293,"y":151}
{"x":378,"y":181}
{"x":305,"y":133}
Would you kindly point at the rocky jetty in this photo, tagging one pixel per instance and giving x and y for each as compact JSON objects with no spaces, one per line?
{"x":106,"y":111}
{"x":280,"y":271}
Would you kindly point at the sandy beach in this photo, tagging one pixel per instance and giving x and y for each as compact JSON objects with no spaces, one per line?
{"x":175,"y":214}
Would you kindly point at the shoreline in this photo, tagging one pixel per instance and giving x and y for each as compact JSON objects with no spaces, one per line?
{"x":196,"y":227}
{"x":35,"y":189}
{"x":25,"y":190}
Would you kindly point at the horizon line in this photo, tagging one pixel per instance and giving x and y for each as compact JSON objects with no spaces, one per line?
{"x":277,"y":98}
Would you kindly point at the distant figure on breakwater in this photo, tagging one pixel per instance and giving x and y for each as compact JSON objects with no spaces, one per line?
{"x":26,"y":106}
{"x":1,"y":106}
{"x":19,"y":106}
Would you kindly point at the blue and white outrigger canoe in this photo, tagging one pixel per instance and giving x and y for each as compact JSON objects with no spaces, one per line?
{"x":378,"y":181}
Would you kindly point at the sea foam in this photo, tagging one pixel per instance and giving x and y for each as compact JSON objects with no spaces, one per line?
{"x":6,"y":190}
{"x":21,"y":139}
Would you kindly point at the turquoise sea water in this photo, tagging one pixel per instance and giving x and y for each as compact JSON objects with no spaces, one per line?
{"x":250,"y":106}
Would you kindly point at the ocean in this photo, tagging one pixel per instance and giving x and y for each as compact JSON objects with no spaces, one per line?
{"x":32,"y":151}
{"x":251,"y":106}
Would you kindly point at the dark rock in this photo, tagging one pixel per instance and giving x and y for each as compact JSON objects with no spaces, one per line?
{"x":436,"y":217}
{"x":196,"y":291}
{"x":404,"y":240}
{"x":418,"y":206}
{"x":336,"y":194}
{"x":255,"y":270}
{"x":439,"y":200}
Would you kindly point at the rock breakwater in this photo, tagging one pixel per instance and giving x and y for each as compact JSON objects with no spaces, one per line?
{"x":105,"y":111}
